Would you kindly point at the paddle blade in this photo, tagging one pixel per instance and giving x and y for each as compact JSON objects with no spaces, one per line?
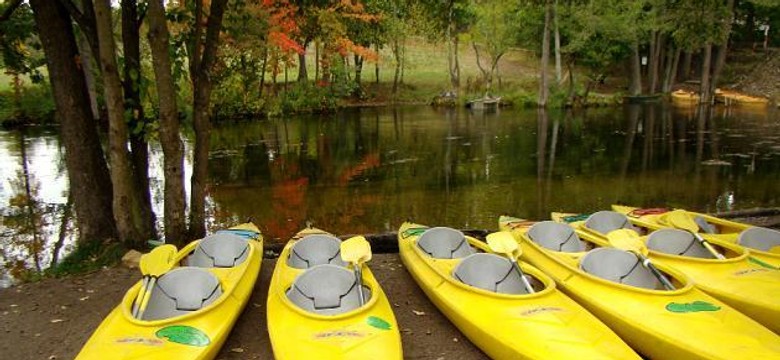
{"x":504,"y":243}
{"x":158,"y":261}
{"x":628,"y":240}
{"x":355,"y":250}
{"x":681,"y":220}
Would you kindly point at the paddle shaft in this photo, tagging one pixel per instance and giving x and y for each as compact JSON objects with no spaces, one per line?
{"x":646,"y":262}
{"x":522,"y":277}
{"x":146,"y":298}
{"x":359,"y":276}
{"x":140,"y":297}
{"x":708,"y":246}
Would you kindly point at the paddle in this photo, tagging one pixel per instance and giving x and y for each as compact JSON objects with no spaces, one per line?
{"x":681,"y":220}
{"x":628,"y":240}
{"x":504,"y":243}
{"x":153,"y":265}
{"x":356,"y":250}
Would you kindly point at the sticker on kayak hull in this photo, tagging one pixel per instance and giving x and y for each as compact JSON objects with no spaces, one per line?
{"x":183,"y":334}
{"x":340,"y":334}
{"x":540,"y":310}
{"x":139,"y":340}
{"x":574,"y":218}
{"x":378,"y":323}
{"x":413,"y":232}
{"x":695,"y":306}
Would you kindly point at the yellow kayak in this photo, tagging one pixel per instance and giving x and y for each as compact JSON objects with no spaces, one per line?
{"x":314,"y":309}
{"x":483,"y":295}
{"x":683,"y":323}
{"x":763,"y":243}
{"x":748,"y":287}
{"x":193,"y":305}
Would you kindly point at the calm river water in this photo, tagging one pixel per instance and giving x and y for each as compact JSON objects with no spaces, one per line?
{"x":368,"y":170}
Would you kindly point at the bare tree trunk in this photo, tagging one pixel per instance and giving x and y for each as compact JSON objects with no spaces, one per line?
{"x":131,"y":46}
{"x":125,"y":207}
{"x":358,"y":69}
{"x":87,"y":171}
{"x":656,"y":47}
{"x":720,"y":61}
{"x":543,"y":86}
{"x":316,"y":60}
{"x":671,"y":70}
{"x":452,"y":49}
{"x":376,"y":67}
{"x":202,"y":85}
{"x":263,"y":70}
{"x":397,"y":74}
{"x":705,"y":74}
{"x":636,"y":71}
{"x":686,"y":66}
{"x":170,"y":140}
{"x":479,"y":65}
{"x":87,"y":63}
{"x":303,"y":74}
{"x":558,"y":73}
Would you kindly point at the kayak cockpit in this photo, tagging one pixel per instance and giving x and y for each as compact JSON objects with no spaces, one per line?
{"x":606,"y":221}
{"x":677,"y":242}
{"x":481,"y":270}
{"x":620,"y":267}
{"x":187,"y":289}
{"x":326,"y":286}
{"x":556,"y":237}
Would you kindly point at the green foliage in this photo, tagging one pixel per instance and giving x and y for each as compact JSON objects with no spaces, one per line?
{"x":307,"y":98}
{"x":21,"y":50}
{"x":88,"y":256}
{"x":36,"y":104}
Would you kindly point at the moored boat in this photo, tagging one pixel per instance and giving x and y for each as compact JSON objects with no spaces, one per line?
{"x":486,"y":298}
{"x":681,"y":323}
{"x":319,"y":308}
{"x":195,"y":298}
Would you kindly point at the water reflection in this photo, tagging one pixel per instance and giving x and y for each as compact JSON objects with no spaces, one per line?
{"x":367,"y":170}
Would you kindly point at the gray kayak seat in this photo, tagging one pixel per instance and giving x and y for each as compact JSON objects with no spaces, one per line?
{"x":181,"y":291}
{"x":759,"y":238}
{"x":606,"y":221}
{"x":618,"y":266}
{"x":705,"y":226}
{"x":221,"y":250}
{"x":677,"y":242}
{"x":315,"y":250}
{"x":489,"y":272}
{"x":556,"y":237}
{"x":444,"y":243}
{"x":326,"y":290}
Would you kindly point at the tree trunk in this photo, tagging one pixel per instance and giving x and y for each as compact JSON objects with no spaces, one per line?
{"x":87,"y":63}
{"x":452,"y":49}
{"x":87,"y":171}
{"x":558,"y":70}
{"x":543,"y":86}
{"x":705,"y":74}
{"x":720,"y":61}
{"x":636,"y":71}
{"x":316,"y":60}
{"x":671,"y":70}
{"x":303,"y":74}
{"x":686,"y":66}
{"x":202,"y":85}
{"x":263,"y":70}
{"x":397,"y":74}
{"x":126,"y":212}
{"x":376,"y":67}
{"x":479,"y":65}
{"x":131,"y":44}
{"x":358,"y":69}
{"x":656,"y":47}
{"x":170,"y":140}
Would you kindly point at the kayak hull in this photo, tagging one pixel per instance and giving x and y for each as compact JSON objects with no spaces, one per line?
{"x":544,"y":325}
{"x":658,"y":324}
{"x":198,"y":335}
{"x":369,"y":332}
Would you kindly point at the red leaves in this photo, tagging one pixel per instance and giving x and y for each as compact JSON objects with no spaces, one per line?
{"x":283,"y":26}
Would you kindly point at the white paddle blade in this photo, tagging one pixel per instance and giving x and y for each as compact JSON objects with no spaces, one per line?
{"x":355,"y":250}
{"x":504,"y":243}
{"x":628,"y":240}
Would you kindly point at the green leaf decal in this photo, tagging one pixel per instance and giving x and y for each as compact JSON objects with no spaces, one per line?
{"x":413,"y":232}
{"x":761,"y":263}
{"x":185,"y":335}
{"x":378,"y":323}
{"x":575,"y":218}
{"x":695,"y":306}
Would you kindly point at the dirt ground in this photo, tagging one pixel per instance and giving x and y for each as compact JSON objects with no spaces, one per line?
{"x":53,"y":318}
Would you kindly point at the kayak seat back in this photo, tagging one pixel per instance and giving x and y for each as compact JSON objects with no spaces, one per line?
{"x":221,"y":250}
{"x":181,"y":291}
{"x":606,"y":221}
{"x":677,"y":242}
{"x":444,"y":243}
{"x":759,"y":238}
{"x":489,"y":272}
{"x":556,"y":237}
{"x":705,"y":226}
{"x":618,"y":266}
{"x":315,"y":250}
{"x":326,"y":290}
